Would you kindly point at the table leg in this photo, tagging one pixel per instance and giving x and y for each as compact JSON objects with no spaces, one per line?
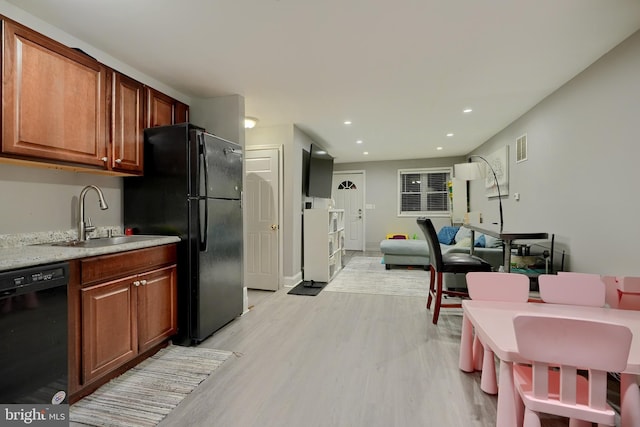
{"x":629,"y":401}
{"x":466,"y":345}
{"x":473,"y":239}
{"x":508,"y":412}
{"x":507,"y":256}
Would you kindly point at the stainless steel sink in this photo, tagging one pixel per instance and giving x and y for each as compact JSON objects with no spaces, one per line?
{"x":103,"y":241}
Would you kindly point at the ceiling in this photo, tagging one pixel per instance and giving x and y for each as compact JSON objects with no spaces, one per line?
{"x":402,"y":71}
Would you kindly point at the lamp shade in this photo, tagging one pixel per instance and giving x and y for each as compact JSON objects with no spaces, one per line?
{"x":468,"y":171}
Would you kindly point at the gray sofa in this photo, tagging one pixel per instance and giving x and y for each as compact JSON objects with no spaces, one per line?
{"x":416,"y":252}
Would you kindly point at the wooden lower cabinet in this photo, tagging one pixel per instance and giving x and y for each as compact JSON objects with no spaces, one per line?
{"x":109,"y":331}
{"x":157,"y":307}
{"x":115,"y":320}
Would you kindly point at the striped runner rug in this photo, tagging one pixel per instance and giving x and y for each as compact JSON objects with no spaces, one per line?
{"x":146,"y":393}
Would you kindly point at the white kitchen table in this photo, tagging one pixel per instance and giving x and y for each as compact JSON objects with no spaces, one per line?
{"x":493,"y":322}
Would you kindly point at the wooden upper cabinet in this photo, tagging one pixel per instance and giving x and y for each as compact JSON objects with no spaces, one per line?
{"x":127,"y":124}
{"x":159,"y":108}
{"x":181,"y":113}
{"x":53,"y":100}
{"x":164,"y":110}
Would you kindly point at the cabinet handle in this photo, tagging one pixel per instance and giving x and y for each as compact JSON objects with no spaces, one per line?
{"x":118,"y":161}
{"x":143,"y":282}
{"x":136,"y":283}
{"x":104,"y":159}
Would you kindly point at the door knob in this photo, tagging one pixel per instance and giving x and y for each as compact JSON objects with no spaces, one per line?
{"x":274,"y":227}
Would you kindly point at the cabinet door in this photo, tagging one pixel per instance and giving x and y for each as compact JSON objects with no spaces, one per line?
{"x":127,"y":124}
{"x":160,"y":108}
{"x":157,"y":306}
{"x":181,"y":113}
{"x":109,"y":317}
{"x":53,"y":100}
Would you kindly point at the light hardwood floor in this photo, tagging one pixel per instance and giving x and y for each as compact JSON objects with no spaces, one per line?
{"x":338,"y":359}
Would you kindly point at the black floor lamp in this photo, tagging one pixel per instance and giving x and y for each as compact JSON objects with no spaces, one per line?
{"x":472,"y":171}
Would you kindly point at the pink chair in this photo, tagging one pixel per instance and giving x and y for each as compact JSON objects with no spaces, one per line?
{"x":572,"y":288}
{"x":490,"y":286}
{"x":610,"y":291}
{"x":569,"y":344}
{"x":628,"y":290}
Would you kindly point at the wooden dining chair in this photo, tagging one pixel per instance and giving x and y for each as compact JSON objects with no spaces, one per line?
{"x":568,"y":344}
{"x":493,"y":286}
{"x":440,"y":263}
{"x":572,"y":288}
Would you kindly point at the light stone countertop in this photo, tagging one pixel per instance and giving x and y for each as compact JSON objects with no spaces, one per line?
{"x":27,"y":255}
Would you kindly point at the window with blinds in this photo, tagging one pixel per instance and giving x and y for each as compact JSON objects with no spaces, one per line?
{"x":423,"y":192}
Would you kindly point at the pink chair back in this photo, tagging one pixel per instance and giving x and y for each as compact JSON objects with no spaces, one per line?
{"x":570,"y":344}
{"x":572,"y":288}
{"x":496,"y":286}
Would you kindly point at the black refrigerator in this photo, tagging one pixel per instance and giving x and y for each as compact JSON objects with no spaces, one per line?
{"x":192,"y":188}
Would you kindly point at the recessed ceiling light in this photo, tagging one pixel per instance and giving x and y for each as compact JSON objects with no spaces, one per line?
{"x":250,"y":122}
{"x":359,"y":141}
{"x":467,"y":110}
{"x":366,"y":153}
{"x":347,"y":122}
{"x":449,"y":134}
{"x":438,"y":148}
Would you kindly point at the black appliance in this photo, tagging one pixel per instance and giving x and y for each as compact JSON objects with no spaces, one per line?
{"x":191,"y":188}
{"x":34,"y":335}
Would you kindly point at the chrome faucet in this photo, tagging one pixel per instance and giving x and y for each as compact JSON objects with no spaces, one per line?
{"x":83,"y":227}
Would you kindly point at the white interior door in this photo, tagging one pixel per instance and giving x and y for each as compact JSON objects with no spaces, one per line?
{"x":261,"y":209}
{"x":348,"y":193}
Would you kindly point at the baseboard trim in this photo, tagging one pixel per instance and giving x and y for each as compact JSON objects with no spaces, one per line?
{"x":291,"y":281}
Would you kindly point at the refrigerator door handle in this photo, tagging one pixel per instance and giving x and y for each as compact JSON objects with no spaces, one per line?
{"x":204,"y":225}
{"x":237,"y":151}
{"x":204,"y":166}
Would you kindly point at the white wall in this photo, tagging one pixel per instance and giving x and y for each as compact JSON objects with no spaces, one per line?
{"x":382,"y":192}
{"x":223,"y":116}
{"x":34,"y":199}
{"x":293,"y":141}
{"x":580,"y":178}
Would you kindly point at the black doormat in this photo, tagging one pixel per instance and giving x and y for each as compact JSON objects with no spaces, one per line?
{"x":310,"y":288}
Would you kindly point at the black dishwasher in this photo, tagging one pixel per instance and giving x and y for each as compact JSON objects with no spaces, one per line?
{"x":34,"y":335}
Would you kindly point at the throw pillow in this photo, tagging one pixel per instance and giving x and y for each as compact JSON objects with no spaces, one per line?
{"x":462,"y":233}
{"x":492,"y":242}
{"x":464,"y":243}
{"x":480,"y":242}
{"x":447,"y":234}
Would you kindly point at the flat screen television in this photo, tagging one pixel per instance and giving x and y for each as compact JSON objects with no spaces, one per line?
{"x":319,"y":173}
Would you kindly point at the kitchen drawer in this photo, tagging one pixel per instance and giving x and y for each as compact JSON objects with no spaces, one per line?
{"x":112,"y":266}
